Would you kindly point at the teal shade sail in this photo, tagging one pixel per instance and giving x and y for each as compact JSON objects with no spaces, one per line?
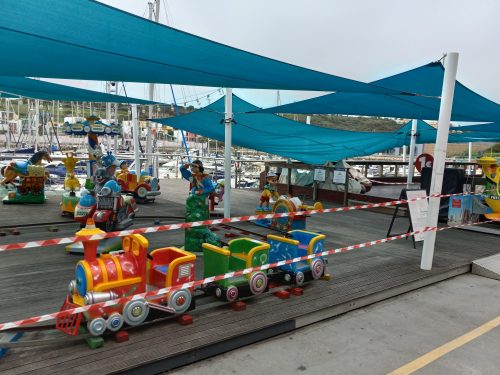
{"x":35,"y":89}
{"x":426,"y":80}
{"x":85,"y":39}
{"x":4,"y":95}
{"x":308,"y":143}
{"x":485,"y":128}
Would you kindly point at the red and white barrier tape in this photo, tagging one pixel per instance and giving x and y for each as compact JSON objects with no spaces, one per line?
{"x":161,"y":292}
{"x":167,"y":227}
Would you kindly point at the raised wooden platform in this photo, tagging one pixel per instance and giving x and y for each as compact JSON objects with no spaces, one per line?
{"x":34,"y":281}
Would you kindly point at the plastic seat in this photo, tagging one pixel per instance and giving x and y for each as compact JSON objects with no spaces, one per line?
{"x":163,"y":268}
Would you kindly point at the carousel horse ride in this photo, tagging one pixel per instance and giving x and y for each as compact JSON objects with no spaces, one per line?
{"x":32,"y":176}
{"x":143,"y":190}
{"x":491,"y":171}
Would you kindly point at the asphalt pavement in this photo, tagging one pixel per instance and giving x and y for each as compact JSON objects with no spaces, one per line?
{"x":452,"y":327}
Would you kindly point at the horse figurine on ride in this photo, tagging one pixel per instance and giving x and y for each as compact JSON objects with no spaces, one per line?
{"x":20,"y":168}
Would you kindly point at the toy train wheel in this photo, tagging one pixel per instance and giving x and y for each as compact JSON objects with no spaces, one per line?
{"x":317,"y":268}
{"x":231,"y":293}
{"x":114,"y":322}
{"x":180,"y":300}
{"x":258,"y":282}
{"x":299,"y":278}
{"x":96,"y":326}
{"x":135,"y":312}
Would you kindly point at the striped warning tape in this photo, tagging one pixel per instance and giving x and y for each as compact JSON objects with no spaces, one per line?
{"x":164,"y":291}
{"x":167,"y":227}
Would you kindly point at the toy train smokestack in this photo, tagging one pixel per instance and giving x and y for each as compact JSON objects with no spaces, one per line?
{"x":89,"y":246}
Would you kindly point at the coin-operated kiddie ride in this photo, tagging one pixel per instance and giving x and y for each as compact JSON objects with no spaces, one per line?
{"x":143,"y":188}
{"x":32,"y":176}
{"x":106,"y":205}
{"x":71,"y":195}
{"x":491,"y":170}
{"x":131,"y":270}
{"x":197,"y":207}
{"x":272,"y":202}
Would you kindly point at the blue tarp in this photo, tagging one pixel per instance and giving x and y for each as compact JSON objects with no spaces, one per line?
{"x":35,"y":89}
{"x":280,"y":136}
{"x":426,"y":80}
{"x":85,"y":39}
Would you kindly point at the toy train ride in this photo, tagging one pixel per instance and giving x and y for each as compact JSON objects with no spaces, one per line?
{"x":132,"y":270}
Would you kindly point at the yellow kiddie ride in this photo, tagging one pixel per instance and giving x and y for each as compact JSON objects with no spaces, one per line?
{"x":70,"y":197}
{"x":491,"y":170}
{"x":144,"y":190}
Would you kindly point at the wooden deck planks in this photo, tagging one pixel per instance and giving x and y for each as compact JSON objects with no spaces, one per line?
{"x":35,"y":281}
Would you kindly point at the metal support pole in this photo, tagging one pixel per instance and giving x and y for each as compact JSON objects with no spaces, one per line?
{"x":7,"y":112}
{"x":228,"y":119}
{"x":470,"y":158}
{"x":151,"y":89}
{"x":37,"y":122}
{"x":411,"y":167}
{"x":443,"y":129}
{"x":135,"y":131}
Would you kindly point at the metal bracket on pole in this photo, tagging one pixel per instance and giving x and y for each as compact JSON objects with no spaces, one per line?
{"x":443,"y":130}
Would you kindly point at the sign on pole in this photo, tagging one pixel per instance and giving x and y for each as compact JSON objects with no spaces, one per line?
{"x":339,"y":176}
{"x":424,"y":160}
{"x":319,"y":175}
{"x":418,"y":211}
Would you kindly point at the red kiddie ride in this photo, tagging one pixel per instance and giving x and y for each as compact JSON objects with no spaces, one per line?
{"x":114,"y":211}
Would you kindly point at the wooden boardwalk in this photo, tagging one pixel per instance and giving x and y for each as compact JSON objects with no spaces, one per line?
{"x":34,"y":281}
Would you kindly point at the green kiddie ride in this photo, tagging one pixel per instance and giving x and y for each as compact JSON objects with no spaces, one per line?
{"x":242,"y":253}
{"x":197,"y":210}
{"x":200,"y":187}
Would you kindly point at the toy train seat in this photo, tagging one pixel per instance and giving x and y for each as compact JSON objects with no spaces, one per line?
{"x":242,"y":253}
{"x":171,"y":266}
{"x":297,"y":244}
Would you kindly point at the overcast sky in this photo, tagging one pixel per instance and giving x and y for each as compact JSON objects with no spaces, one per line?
{"x":359,"y":39}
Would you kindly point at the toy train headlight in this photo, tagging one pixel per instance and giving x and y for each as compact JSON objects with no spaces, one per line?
{"x":81,"y":280}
